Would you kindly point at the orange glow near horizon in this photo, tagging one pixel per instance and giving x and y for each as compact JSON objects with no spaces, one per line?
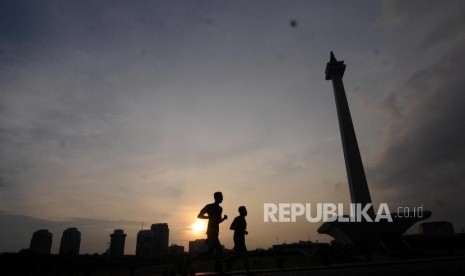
{"x":199,"y":226}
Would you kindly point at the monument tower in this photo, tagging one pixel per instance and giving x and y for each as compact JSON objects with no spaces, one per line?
{"x":365,"y":234}
{"x":358,"y":186}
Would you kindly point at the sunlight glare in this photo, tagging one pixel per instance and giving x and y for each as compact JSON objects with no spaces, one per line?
{"x":199,"y":226}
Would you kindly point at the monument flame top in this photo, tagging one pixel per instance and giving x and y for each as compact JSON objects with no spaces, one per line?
{"x":334,"y":68}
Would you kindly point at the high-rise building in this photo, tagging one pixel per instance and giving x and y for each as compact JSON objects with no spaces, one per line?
{"x":41,"y":242}
{"x":70,"y":242}
{"x":198,"y":246}
{"x":176,"y":249}
{"x":117,"y":243}
{"x":160,"y":240}
{"x":144,"y":244}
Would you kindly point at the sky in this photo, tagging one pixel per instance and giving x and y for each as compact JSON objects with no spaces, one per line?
{"x":120,"y":114}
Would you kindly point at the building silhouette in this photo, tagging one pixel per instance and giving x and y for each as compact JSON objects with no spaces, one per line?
{"x":41,"y":242}
{"x":70,"y":242}
{"x":198,"y":246}
{"x":154,"y":242}
{"x":176,"y":249}
{"x":160,"y":239}
{"x":144,"y":244}
{"x":117,"y":243}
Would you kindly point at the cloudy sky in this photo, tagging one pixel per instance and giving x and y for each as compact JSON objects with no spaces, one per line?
{"x":118,"y":113}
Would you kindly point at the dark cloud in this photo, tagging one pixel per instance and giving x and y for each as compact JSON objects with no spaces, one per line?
{"x":21,"y":20}
{"x":450,"y":29}
{"x":423,"y":149}
{"x":17,"y":233}
{"x":402,"y":13}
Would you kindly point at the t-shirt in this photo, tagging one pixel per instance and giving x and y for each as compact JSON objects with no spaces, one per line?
{"x":214,"y":212}
{"x":239,"y":225}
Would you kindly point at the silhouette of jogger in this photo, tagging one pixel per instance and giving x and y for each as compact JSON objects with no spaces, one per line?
{"x":239,"y":225}
{"x":213,"y":212}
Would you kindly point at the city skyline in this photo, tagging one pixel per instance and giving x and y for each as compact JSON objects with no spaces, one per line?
{"x":116,"y":114}
{"x":159,"y":243}
{"x":42,"y":239}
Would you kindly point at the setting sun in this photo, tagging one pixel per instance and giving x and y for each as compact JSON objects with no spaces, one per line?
{"x":199,"y":226}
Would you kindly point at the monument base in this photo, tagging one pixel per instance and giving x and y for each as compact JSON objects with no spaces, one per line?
{"x":372,"y":235}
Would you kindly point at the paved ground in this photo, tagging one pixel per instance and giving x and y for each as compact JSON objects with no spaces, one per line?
{"x":425,"y":267}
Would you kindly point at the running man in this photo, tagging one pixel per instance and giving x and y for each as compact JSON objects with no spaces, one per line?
{"x":213,"y":212}
{"x":239,"y":225}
